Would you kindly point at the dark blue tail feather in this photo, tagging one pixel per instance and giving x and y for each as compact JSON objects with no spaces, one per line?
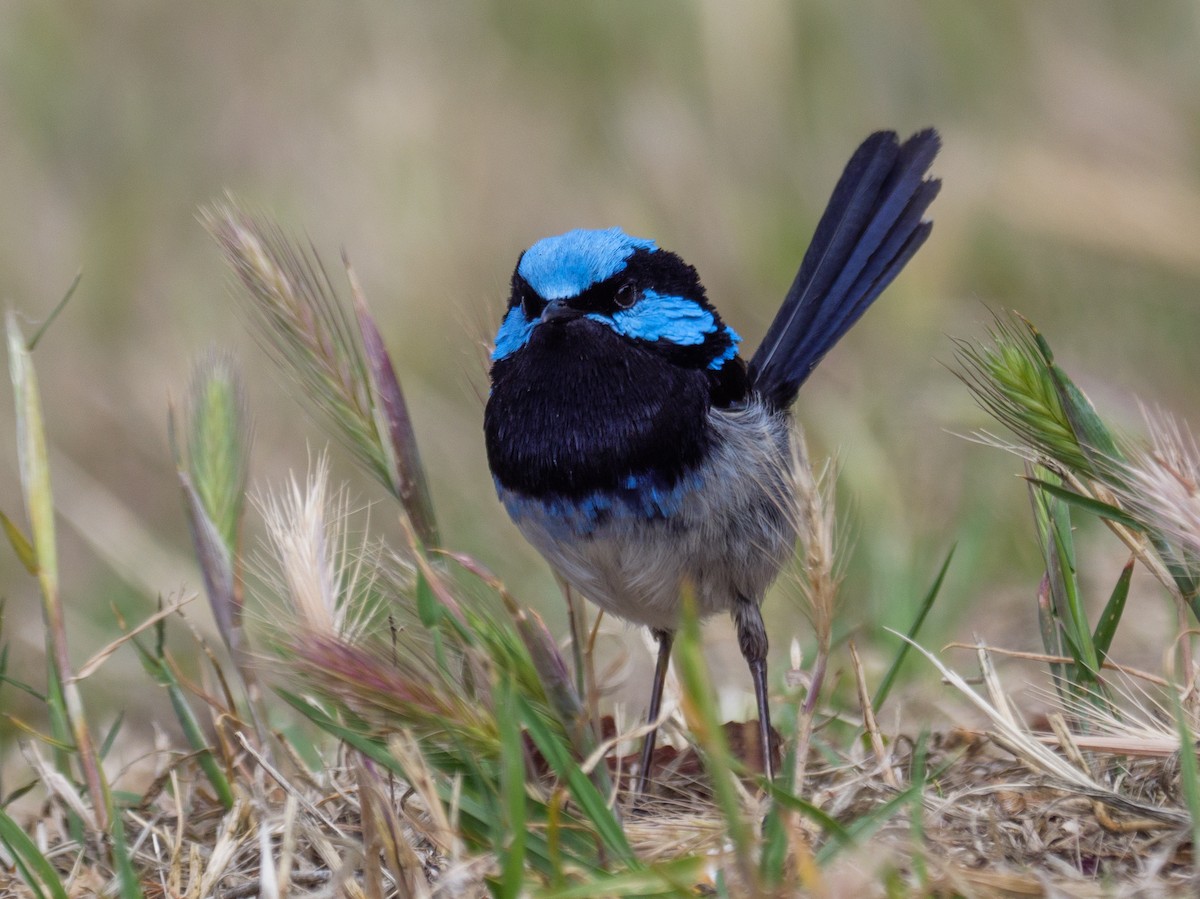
{"x":870,"y":229}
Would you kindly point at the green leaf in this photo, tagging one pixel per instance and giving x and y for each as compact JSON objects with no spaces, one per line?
{"x":917,"y":825}
{"x":863,"y":826}
{"x":36,"y":870}
{"x":476,"y":818}
{"x":592,"y":805}
{"x":700,"y":700}
{"x":512,"y":788}
{"x":1089,"y":504}
{"x":677,"y":877}
{"x":429,"y":610}
{"x":1053,"y":518}
{"x":107,"y":743}
{"x":131,"y":887}
{"x":1189,"y":776}
{"x":828,"y":824}
{"x":1110,"y":618}
{"x":162,"y":672}
{"x":64,"y":702}
{"x":1078,"y":632}
{"x":1052,"y":633}
{"x":62,"y":304}
{"x":773,"y":857}
{"x":20,"y":544}
{"x":885,"y":686}
{"x":430,"y":613}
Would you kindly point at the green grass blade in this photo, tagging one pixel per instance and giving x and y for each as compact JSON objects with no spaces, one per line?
{"x":20,"y":544}
{"x":1189,"y":775}
{"x":862,"y":827}
{"x":131,"y":887}
{"x":699,"y":699}
{"x":54,"y":313}
{"x":1089,"y":504}
{"x":554,"y":680}
{"x":917,"y":820}
{"x":677,"y":877}
{"x":106,"y":744}
{"x":430,"y":613}
{"x":592,"y":804}
{"x":1102,"y":460}
{"x":64,"y":702}
{"x":1183,"y":572}
{"x":512,"y":789}
{"x":36,"y":870}
{"x":1053,"y":518}
{"x":21,"y":685}
{"x":162,"y":672}
{"x":1079,"y":631}
{"x":773,"y":858}
{"x":476,"y":817}
{"x":828,"y":824}
{"x":429,"y":610}
{"x":1110,"y":618}
{"x":889,"y":678}
{"x":1051,"y":631}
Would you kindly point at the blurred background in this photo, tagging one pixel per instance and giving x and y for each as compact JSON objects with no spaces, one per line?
{"x":435,"y":141}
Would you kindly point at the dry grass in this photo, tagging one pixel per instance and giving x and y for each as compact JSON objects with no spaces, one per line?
{"x":1002,"y":812}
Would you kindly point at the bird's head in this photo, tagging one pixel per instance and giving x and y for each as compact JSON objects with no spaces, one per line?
{"x":584,"y":280}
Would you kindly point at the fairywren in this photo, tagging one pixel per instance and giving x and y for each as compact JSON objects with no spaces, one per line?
{"x":632,"y":445}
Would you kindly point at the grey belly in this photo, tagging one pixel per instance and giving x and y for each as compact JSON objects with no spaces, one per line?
{"x":726,"y":541}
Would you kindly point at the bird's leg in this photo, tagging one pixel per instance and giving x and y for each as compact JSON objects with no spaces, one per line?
{"x":665,"y":639}
{"x":752,"y":639}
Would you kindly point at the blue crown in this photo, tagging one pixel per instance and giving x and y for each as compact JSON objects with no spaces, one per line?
{"x":567,"y":265}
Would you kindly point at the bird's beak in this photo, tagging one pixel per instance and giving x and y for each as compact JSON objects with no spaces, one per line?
{"x":558,"y":310}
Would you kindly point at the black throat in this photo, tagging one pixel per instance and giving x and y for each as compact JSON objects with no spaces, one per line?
{"x":580,"y":409}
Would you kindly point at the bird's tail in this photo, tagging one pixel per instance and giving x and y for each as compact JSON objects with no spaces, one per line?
{"x":870,"y":229}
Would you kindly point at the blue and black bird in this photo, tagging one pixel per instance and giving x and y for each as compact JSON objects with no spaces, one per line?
{"x":630,"y":442}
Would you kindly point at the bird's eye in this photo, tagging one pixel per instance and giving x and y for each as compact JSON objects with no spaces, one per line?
{"x":626,"y":295}
{"x":531,"y":305}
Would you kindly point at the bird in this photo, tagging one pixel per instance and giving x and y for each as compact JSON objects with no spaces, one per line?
{"x":635,"y":448}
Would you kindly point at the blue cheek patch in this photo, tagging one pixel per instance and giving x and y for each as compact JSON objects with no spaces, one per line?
{"x":681,"y":321}
{"x":513,"y":333}
{"x":657,"y":317}
{"x":567,"y":265}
